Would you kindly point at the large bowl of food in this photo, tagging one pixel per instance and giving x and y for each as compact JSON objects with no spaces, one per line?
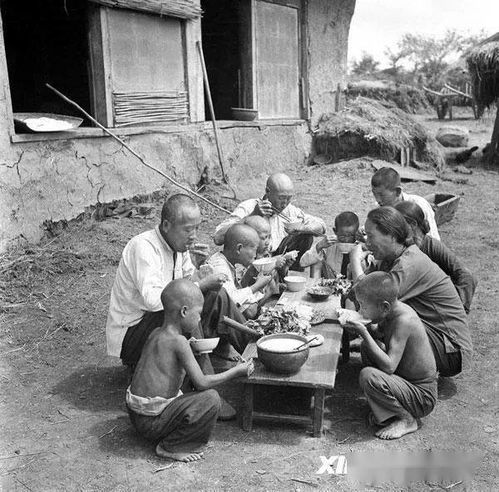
{"x":280,"y":353}
{"x":319,"y":292}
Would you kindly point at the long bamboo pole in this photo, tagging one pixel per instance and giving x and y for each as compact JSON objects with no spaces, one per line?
{"x":212,"y":111}
{"x":139,"y":157}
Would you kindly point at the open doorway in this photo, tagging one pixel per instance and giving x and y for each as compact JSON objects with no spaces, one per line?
{"x":220,"y":36}
{"x":46,"y":42}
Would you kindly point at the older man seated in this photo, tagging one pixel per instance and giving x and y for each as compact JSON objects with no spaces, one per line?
{"x":290,"y":227}
{"x":148,"y":263}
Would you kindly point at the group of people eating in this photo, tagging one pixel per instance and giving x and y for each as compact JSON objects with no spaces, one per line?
{"x":412,"y":291}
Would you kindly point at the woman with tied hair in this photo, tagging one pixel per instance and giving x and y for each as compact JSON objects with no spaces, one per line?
{"x":463,"y":280}
{"x":421,"y":284}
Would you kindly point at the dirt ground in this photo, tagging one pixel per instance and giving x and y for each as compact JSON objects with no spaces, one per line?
{"x":65,"y":426}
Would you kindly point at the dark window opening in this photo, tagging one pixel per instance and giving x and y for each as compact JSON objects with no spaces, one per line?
{"x":46,"y":42}
{"x":220,"y":36}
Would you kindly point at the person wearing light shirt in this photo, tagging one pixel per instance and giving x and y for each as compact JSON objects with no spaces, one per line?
{"x":148,"y":263}
{"x":290,"y":227}
{"x":240,"y":247}
{"x":387,"y":190}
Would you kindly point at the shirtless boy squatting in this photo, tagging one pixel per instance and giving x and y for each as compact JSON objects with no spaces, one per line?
{"x":180,"y":424}
{"x":400,"y":382}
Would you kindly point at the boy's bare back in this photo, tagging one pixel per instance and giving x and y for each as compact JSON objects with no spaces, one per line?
{"x":159,"y":371}
{"x":417,"y":362}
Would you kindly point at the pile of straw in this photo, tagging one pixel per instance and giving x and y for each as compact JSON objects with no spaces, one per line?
{"x":183,"y":9}
{"x":483,"y":66}
{"x":408,"y":98}
{"x":377,"y":129}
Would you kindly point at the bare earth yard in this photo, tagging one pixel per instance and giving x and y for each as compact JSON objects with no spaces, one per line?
{"x":65,"y":425}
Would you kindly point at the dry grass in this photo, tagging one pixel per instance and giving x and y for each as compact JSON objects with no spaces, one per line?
{"x":377,"y":129}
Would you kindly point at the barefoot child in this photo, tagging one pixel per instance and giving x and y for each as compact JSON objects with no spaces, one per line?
{"x":401,"y":385}
{"x":180,"y":424}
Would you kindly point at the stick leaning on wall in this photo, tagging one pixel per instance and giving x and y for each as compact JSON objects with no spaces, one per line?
{"x":138,"y":156}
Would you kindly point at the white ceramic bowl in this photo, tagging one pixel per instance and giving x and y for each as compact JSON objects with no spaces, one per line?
{"x":295,"y":283}
{"x":204,"y":345}
{"x":264,"y":265}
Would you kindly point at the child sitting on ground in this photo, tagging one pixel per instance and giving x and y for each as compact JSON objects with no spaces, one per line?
{"x":240,"y":245}
{"x":181,"y":424}
{"x":282,"y":262}
{"x":401,"y":381}
{"x":334,"y":250}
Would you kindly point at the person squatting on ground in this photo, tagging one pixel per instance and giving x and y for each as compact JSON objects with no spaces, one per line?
{"x":464,"y":281}
{"x":148,"y":263}
{"x":180,"y":424}
{"x":421,"y":284}
{"x":400,"y":380}
{"x":290,"y":227}
{"x":387,"y":190}
{"x":240,"y":247}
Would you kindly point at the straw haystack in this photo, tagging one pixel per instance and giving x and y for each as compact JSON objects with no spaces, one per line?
{"x":483,"y":65}
{"x":378,"y":129}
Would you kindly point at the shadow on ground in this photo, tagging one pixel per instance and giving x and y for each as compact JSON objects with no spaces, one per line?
{"x":94,"y":388}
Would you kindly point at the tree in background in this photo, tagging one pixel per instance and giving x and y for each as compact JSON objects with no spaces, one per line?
{"x":367,"y":65}
{"x":429,"y":58}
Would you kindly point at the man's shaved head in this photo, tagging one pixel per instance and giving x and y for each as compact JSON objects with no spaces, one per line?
{"x":179,"y":293}
{"x":240,"y":234}
{"x":177,"y":206}
{"x":279,"y":182}
{"x":259,"y":223}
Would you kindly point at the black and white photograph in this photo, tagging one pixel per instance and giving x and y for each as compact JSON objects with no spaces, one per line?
{"x":249,"y":245}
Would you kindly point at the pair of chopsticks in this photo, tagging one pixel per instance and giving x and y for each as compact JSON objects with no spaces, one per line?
{"x":287,"y":219}
{"x":306,"y":343}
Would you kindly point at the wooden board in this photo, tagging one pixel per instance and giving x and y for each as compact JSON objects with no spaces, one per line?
{"x":406,"y":174}
{"x":318,"y":372}
{"x":277,"y":60}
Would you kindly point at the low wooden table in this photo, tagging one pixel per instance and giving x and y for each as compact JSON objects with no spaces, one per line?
{"x":318,"y":373}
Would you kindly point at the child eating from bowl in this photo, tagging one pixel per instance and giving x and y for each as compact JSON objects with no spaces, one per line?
{"x":180,"y":424}
{"x":400,"y":382}
{"x":334,"y":250}
{"x":240,"y":246}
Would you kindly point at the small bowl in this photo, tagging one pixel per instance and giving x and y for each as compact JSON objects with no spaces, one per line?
{"x":295,"y":283}
{"x":264,"y":265}
{"x":282,"y":360}
{"x":204,"y":345}
{"x":244,"y":114}
{"x":319,"y":293}
{"x":294,"y":223}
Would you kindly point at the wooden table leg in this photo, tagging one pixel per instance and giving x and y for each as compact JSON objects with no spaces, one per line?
{"x":247,"y":421}
{"x":319,"y":396}
{"x":345,"y":347}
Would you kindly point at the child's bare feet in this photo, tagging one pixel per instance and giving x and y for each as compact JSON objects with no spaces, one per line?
{"x":185,"y":456}
{"x":398,"y":428}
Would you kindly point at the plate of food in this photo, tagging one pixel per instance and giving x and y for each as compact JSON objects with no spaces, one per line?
{"x":319,"y":292}
{"x":318,"y":317}
{"x":280,"y":320}
{"x":347,"y":315}
{"x":339,"y":284}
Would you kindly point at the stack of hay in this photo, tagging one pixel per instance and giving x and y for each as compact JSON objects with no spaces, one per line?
{"x":377,"y":129}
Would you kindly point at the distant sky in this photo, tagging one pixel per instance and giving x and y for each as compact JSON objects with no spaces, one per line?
{"x":378,"y":24}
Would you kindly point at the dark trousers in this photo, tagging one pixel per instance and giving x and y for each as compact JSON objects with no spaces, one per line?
{"x":216,"y":306}
{"x":448,"y":364}
{"x":185,"y":425}
{"x":298,"y":242}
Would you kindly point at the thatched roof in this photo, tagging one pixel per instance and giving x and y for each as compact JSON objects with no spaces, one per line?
{"x":483,"y":65}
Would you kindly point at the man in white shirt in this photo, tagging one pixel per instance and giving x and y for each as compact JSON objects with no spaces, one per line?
{"x":149,"y":262}
{"x":290,"y":227}
{"x":387,"y":190}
